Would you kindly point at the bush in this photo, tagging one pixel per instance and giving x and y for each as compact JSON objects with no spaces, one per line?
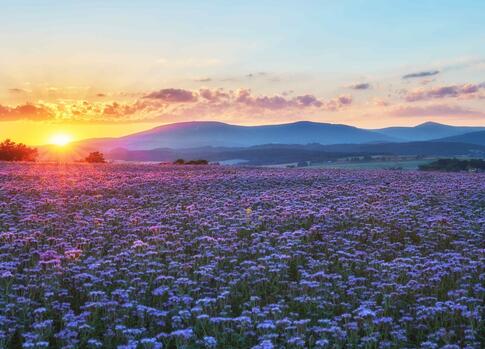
{"x":198,"y":162}
{"x":454,"y":165}
{"x":95,"y":158}
{"x":191,"y":162}
{"x":11,"y":151}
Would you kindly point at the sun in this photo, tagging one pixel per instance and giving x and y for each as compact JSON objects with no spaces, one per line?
{"x":60,"y":139}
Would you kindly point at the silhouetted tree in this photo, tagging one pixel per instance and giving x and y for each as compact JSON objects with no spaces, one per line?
{"x":95,"y":157}
{"x":197,"y":162}
{"x":11,"y":151}
{"x":191,"y":162}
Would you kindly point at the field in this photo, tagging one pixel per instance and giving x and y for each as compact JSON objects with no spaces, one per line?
{"x":402,"y":164}
{"x":146,"y":256}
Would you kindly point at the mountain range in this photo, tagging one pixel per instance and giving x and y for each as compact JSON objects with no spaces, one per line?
{"x":305,"y":140}
{"x":218,"y":134}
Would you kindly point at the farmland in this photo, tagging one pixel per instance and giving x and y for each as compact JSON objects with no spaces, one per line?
{"x":147,"y":256}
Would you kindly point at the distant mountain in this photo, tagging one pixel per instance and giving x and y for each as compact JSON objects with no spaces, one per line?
{"x":426,"y":131}
{"x":472,"y":138}
{"x":217,"y":134}
{"x":266,"y":144}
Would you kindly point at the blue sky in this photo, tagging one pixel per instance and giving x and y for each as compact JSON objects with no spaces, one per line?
{"x":53,"y":51}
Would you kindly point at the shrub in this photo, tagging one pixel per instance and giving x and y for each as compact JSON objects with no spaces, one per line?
{"x":11,"y":151}
{"x":454,"y":165}
{"x":191,"y":162}
{"x":95,"y":158}
{"x":198,"y":162}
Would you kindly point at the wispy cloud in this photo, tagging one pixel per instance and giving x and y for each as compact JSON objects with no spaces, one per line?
{"x":435,"y":110}
{"x":360,"y":86}
{"x":17,"y":90}
{"x":421,"y":74}
{"x":464,"y":90}
{"x":203,"y":80}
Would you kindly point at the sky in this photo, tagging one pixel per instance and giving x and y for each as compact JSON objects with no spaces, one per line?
{"x":110,"y":68}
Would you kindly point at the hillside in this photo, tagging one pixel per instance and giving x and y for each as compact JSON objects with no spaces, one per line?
{"x":285,"y":153}
{"x":472,"y":138}
{"x":426,"y":131}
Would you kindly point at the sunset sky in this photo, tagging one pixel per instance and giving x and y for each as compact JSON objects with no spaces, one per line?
{"x":109,"y":68}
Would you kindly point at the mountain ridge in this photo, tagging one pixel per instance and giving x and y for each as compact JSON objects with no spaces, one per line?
{"x":477,"y":137}
{"x":427,"y":131}
{"x":210,"y":133}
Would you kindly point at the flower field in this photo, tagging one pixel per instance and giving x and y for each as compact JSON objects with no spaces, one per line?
{"x":141,"y":256}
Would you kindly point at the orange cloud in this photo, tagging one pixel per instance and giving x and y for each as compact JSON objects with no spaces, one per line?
{"x":25,"y":112}
{"x":177,"y":104}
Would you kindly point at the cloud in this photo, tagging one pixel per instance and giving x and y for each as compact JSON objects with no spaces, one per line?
{"x":175,"y":104}
{"x":243,"y":103}
{"x":360,"y":86}
{"x":254,"y":75}
{"x":25,"y":112}
{"x":435,"y":110}
{"x":17,"y":90}
{"x":308,"y":100}
{"x":245,"y":78}
{"x":173,"y":95}
{"x":422,"y":74}
{"x":246,"y":98}
{"x":214,"y":96}
{"x":379,"y":102}
{"x":203,"y":80}
{"x":465,"y":90}
{"x":338,"y":103}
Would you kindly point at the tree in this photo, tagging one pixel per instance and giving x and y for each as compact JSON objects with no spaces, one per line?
{"x":454,"y":165}
{"x":198,"y":162}
{"x":11,"y":151}
{"x":95,"y":157}
{"x":191,"y":162}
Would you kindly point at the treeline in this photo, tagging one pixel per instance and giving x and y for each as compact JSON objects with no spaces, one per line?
{"x":190,"y":162}
{"x":11,"y":151}
{"x":454,"y":165}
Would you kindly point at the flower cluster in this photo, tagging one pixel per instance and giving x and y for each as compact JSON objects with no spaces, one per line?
{"x":140,"y":256}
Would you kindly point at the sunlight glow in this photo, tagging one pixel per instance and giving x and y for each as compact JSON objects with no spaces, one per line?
{"x":60,"y":139}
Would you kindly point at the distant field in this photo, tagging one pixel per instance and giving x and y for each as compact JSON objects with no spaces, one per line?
{"x":149,"y":256}
{"x":405,"y":165}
